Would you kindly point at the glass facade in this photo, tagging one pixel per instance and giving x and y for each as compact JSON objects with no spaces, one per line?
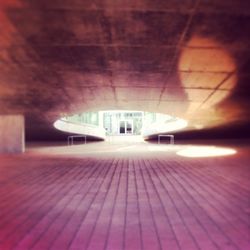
{"x":119,"y":122}
{"x":84,"y":118}
{"x":123,"y":122}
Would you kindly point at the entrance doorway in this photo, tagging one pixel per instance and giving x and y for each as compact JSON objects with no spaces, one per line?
{"x":126,"y":127}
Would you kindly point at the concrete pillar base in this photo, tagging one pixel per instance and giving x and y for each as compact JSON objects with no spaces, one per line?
{"x":12,"y":134}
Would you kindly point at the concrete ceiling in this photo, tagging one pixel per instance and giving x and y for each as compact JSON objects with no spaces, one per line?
{"x":187,"y":58}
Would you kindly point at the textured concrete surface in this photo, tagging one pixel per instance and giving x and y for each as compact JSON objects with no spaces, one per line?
{"x":124,"y":201}
{"x":12,"y":134}
{"x":188,"y":58}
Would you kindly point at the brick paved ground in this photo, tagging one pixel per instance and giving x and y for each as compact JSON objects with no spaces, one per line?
{"x":124,"y":202}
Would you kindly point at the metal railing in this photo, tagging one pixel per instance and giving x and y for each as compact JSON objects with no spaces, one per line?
{"x":169,"y":136}
{"x":71,"y":139}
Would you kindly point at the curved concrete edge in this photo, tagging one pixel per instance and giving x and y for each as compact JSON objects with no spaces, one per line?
{"x":164,"y":127}
{"x":81,"y":129}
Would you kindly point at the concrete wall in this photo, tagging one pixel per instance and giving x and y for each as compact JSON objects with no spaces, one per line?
{"x":12,"y":134}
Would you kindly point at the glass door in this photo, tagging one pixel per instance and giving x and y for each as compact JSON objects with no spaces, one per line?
{"x":129,"y":127}
{"x":126,"y":127}
{"x":122,"y":127}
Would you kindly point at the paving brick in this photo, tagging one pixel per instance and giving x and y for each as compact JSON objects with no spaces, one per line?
{"x":124,"y":202}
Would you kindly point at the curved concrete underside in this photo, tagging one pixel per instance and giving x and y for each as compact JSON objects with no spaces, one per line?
{"x":185,"y":58}
{"x":82,"y":129}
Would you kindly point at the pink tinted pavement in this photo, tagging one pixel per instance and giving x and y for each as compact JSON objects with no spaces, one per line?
{"x":124,"y":201}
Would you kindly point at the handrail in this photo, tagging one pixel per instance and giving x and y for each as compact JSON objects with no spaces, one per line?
{"x":71,"y":138}
{"x":170,"y":136}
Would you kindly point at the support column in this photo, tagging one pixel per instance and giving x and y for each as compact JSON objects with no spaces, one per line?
{"x":12,"y":134}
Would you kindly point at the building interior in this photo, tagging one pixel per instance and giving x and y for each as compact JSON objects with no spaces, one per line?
{"x":124,"y":125}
